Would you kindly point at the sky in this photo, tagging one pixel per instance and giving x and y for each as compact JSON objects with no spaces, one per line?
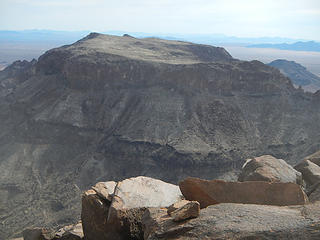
{"x":298,"y":19}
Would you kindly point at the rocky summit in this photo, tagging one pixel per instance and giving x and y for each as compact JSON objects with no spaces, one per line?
{"x":110,"y":107}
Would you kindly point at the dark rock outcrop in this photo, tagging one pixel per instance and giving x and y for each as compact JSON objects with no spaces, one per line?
{"x":299,"y":75}
{"x":310,"y":172}
{"x":270,"y":169}
{"x":265,"y":193}
{"x":37,"y":234}
{"x":111,"y":107}
{"x":94,"y":216}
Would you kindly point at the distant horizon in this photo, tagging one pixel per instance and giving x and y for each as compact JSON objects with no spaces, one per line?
{"x":298,"y":19}
{"x":168,"y":34}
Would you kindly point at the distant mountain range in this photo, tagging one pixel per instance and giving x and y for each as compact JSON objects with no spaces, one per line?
{"x":71,"y":36}
{"x":298,"y":46}
{"x":34,"y":36}
{"x":298,"y":74}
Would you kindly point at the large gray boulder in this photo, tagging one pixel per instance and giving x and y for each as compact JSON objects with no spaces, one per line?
{"x":114,"y":210}
{"x":237,"y":221}
{"x":270,"y":169}
{"x":310,"y":172}
{"x":251,"y":192}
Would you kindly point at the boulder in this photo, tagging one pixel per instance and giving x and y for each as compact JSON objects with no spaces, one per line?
{"x":37,"y":234}
{"x":237,"y":221}
{"x":310,"y":172}
{"x":314,"y":194}
{"x":71,"y":232}
{"x":191,"y":209}
{"x":315,"y":158}
{"x":94,"y":216}
{"x":265,"y":193}
{"x":152,"y":219}
{"x":270,"y":169}
{"x":113,"y":210}
{"x":176,"y":205}
{"x":105,"y":190}
{"x":131,"y":198}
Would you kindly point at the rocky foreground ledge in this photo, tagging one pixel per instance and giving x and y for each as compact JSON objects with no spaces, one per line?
{"x":271,"y":200}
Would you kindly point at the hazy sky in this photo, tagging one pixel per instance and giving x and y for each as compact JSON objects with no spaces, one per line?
{"x":244,"y":18}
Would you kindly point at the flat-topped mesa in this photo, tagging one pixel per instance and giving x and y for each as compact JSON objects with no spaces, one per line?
{"x":100,"y":48}
{"x":101,"y":61}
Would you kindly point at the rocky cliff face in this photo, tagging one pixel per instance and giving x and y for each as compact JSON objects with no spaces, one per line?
{"x":299,"y":75}
{"x":111,"y":107}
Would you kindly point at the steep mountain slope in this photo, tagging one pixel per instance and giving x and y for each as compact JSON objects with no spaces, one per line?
{"x":108,"y":108}
{"x":299,"y":75}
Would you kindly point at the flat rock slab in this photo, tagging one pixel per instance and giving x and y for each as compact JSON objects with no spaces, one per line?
{"x":264,"y":193}
{"x":270,"y":169}
{"x":238,"y":221}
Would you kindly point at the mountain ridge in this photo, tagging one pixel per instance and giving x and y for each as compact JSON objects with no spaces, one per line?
{"x":299,"y":75}
{"x":310,"y":46}
{"x":100,"y":109}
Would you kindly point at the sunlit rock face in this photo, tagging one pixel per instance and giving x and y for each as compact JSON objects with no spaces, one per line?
{"x":109,"y":108}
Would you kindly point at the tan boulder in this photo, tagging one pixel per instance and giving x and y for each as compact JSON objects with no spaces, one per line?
{"x":270,"y":169}
{"x":310,"y":172}
{"x":190,"y":209}
{"x":177,"y":205}
{"x":105,"y":189}
{"x":71,"y":232}
{"x":218,"y":191}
